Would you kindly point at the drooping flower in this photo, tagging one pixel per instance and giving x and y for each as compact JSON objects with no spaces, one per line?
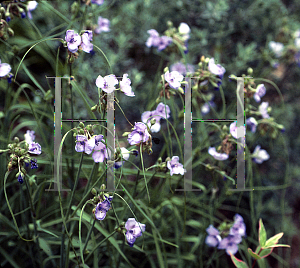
{"x":164,"y":41}
{"x":29,"y":136}
{"x":100,"y":152}
{"x":34,"y":147}
{"x":4,"y":69}
{"x":73,"y":40}
{"x":259,"y":155}
{"x":125,"y":86}
{"x":102,"y":208}
{"x":134,"y":230}
{"x":252,"y":123}
{"x":103,"y":25}
{"x":218,"y":156}
{"x":263,"y":109}
{"x":238,"y":227}
{"x":31,"y":5}
{"x":234,"y":130}
{"x":181,"y":68}
{"x":213,"y":238}
{"x":230,"y":244}
{"x":153,"y":39}
{"x":260,"y":92}
{"x":216,"y":69}
{"x":107,"y":83}
{"x":20,"y":178}
{"x":33,"y":164}
{"x":174,"y":78}
{"x":175,"y":167}
{"x":184,"y":31}
{"x":139,"y":134}
{"x":86,"y":45}
{"x":276,"y":48}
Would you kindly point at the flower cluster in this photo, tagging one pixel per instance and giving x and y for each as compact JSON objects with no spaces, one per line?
{"x":161,"y":42}
{"x":16,"y":8}
{"x":161,"y":111}
{"x":76,"y":41}
{"x":233,"y":238}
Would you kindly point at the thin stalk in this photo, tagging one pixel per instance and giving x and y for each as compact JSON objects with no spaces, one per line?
{"x":88,"y":236}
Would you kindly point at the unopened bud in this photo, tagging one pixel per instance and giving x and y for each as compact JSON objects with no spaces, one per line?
{"x":81,"y":124}
{"x":250,"y":71}
{"x":94,"y":191}
{"x":16,"y":140}
{"x":10,"y":31}
{"x":94,"y":108}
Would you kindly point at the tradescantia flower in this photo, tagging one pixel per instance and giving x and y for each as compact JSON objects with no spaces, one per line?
{"x":234,"y":130}
{"x":73,"y":40}
{"x":238,"y":227}
{"x":107,"y":83}
{"x":102,"y":208}
{"x":230,"y":244}
{"x":259,"y":155}
{"x":260,"y":92}
{"x":252,"y":123}
{"x":276,"y":48}
{"x":100,"y":152}
{"x":125,"y":155}
{"x":184,"y":31}
{"x":86,"y":44}
{"x":4,"y":69}
{"x":98,"y":2}
{"x":103,"y":25}
{"x":125,"y":86}
{"x":218,"y":156}
{"x":156,"y":41}
{"x":175,"y":167}
{"x":213,"y":238}
{"x":216,"y":69}
{"x":164,"y":41}
{"x":20,"y":178}
{"x":31,"y":5}
{"x":34,"y":147}
{"x":263,"y":109}
{"x":174,"y":78}
{"x":134,"y":230}
{"x":139,"y":134}
{"x":181,"y":68}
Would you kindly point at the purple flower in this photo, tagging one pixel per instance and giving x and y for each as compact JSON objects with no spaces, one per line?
{"x":73,"y":40}
{"x":276,"y":48}
{"x":139,"y":134}
{"x":162,"y":110}
{"x":146,"y":118}
{"x":206,"y":108}
{"x":230,"y":243}
{"x":252,"y":123}
{"x":31,"y":5}
{"x":125,"y":156}
{"x":102,"y":208}
{"x":107,"y":83}
{"x":238,"y":227}
{"x":260,"y":92}
{"x":34,"y":148}
{"x":98,"y":2}
{"x":174,"y":78}
{"x":4,"y":69}
{"x":213,"y":238}
{"x":33,"y":164}
{"x":175,"y":167}
{"x":125,"y":86}
{"x":218,"y":156}
{"x":297,"y":58}
{"x":181,"y":68}
{"x":100,"y":152}
{"x":216,"y":69}
{"x":259,"y":155}
{"x":103,"y":25}
{"x":84,"y":145}
{"x":234,"y":130}
{"x":29,"y":136}
{"x":20,"y":178}
{"x":153,"y":39}
{"x":86,"y":45}
{"x":164,"y":41}
{"x":134,"y":230}
{"x":263,"y":109}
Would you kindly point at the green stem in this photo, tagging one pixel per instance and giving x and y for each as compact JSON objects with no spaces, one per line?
{"x":88,"y":236}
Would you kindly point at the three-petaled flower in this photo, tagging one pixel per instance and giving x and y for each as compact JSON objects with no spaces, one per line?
{"x":102,"y":208}
{"x":259,"y":155}
{"x":73,"y":40}
{"x":107,"y":83}
{"x":139,"y":134}
{"x":260,"y":92}
{"x":155,"y":40}
{"x":175,"y":167}
{"x":103,"y":25}
{"x":174,"y":78}
{"x":213,"y":238}
{"x":125,"y":86}
{"x":34,"y":147}
{"x":218,"y":156}
{"x":134,"y":230}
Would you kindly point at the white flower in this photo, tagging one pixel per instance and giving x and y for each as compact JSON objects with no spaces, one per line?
{"x":277,"y":48}
{"x":184,"y":31}
{"x":218,"y":156}
{"x":259,"y":155}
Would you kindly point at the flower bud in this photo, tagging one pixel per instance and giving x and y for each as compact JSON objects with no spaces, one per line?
{"x":10,"y":32}
{"x":159,"y":160}
{"x":202,"y":58}
{"x":170,"y":23}
{"x":16,"y":140}
{"x":94,"y":108}
{"x":81,"y":132}
{"x":206,"y":60}
{"x":103,"y":187}
{"x":94,"y":191}
{"x":152,"y":121}
{"x":149,"y":151}
{"x":250,"y":71}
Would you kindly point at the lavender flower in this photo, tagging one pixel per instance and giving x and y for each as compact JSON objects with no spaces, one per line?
{"x":206,"y":108}
{"x":181,"y":68}
{"x":102,"y":208}
{"x":175,"y":167}
{"x":218,"y":156}
{"x":234,"y":130}
{"x":146,"y":118}
{"x":174,"y":78}
{"x":100,"y":152}
{"x":107,"y":83}
{"x":164,"y":41}
{"x":125,"y":156}
{"x":86,"y":45}
{"x":230,"y":243}
{"x":29,"y":136}
{"x":4,"y":69}
{"x":34,"y":147}
{"x":162,"y":110}
{"x":125,"y":86}
{"x":73,"y":40}
{"x":252,"y":123}
{"x":31,"y":5}
{"x":238,"y":227}
{"x":33,"y":164}
{"x":134,"y":230}
{"x":260,"y":92}
{"x":216,"y":69}
{"x":263,"y":109}
{"x":259,"y":155}
{"x":213,"y":238}
{"x":153,"y":39}
{"x":103,"y":25}
{"x":84,"y":145}
{"x":139,"y":134}
{"x":98,"y":2}
{"x":276,"y":48}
